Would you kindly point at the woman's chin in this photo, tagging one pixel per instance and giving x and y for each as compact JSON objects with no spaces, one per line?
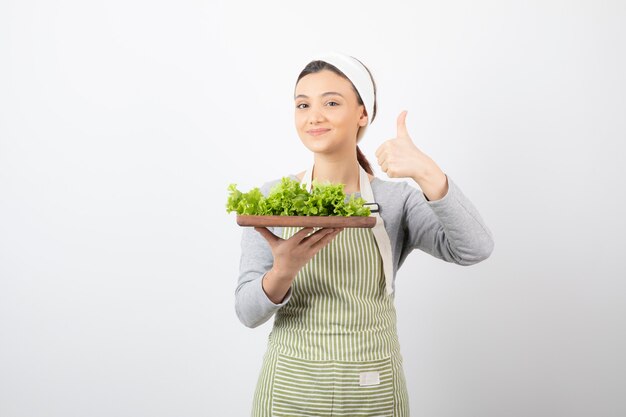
{"x":317,"y":146}
{"x":327,"y":146}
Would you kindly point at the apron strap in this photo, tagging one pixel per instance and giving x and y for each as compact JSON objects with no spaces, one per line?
{"x":380,"y":233}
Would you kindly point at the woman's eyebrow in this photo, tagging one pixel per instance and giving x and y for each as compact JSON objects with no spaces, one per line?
{"x":328,"y":93}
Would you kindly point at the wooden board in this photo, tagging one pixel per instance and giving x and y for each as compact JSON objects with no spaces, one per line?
{"x":306,"y":221}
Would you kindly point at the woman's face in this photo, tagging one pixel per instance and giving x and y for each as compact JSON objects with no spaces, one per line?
{"x":327,"y":113}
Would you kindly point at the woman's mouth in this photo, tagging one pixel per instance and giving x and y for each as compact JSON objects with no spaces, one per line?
{"x":317,"y":132}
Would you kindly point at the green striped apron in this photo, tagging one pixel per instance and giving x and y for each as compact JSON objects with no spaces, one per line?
{"x":333,"y":350}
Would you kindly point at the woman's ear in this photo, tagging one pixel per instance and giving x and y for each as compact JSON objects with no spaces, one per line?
{"x":363,"y":118}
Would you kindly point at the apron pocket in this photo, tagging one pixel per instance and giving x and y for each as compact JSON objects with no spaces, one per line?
{"x":320,"y":388}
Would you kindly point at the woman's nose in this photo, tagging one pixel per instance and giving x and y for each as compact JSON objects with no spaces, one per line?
{"x":315,"y":116}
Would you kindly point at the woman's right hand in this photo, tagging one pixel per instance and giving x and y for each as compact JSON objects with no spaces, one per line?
{"x":290,"y":255}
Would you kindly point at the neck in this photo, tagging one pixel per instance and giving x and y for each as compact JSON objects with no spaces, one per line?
{"x":338,"y":170}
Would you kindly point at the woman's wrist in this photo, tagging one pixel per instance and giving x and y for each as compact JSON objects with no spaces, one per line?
{"x":276,"y":285}
{"x":280,"y":274}
{"x":432,"y":181}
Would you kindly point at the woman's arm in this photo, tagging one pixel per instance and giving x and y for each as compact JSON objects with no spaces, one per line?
{"x":449,"y":228}
{"x":252,"y":304}
{"x":439,"y":220}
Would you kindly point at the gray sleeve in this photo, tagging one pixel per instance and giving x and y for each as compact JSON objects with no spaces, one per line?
{"x":449,"y":228}
{"x":252,"y":305}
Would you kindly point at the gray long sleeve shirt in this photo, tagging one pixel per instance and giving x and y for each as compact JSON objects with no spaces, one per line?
{"x":450,"y":229}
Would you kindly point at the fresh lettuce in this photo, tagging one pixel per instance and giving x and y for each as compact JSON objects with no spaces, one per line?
{"x":291,"y":198}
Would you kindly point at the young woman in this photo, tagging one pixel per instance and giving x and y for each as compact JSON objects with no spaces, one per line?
{"x":334,"y":347}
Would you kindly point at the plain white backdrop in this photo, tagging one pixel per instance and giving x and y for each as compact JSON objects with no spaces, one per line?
{"x":123,"y":122}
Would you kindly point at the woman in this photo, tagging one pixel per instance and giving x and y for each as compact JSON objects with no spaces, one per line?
{"x":334,"y":348}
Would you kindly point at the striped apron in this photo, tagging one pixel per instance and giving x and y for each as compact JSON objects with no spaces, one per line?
{"x":333,"y":350}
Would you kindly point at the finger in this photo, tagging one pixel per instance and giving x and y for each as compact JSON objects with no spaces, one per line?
{"x":379,"y":150}
{"x":402,"y":131}
{"x":269,"y":236}
{"x":325,"y":240}
{"x":380,"y":159}
{"x":301,"y":234}
{"x":317,"y":236}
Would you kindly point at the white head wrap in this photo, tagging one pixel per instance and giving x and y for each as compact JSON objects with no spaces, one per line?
{"x":360,"y":78}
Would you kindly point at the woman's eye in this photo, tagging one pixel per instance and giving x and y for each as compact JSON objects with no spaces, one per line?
{"x":301,"y":106}
{"x":332,"y":103}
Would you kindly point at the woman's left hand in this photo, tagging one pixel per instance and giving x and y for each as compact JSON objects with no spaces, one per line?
{"x":400,"y":158}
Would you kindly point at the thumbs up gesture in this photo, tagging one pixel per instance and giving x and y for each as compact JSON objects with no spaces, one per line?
{"x":400,"y":158}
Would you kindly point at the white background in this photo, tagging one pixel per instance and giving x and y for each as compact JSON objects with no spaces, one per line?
{"x":123,"y":122}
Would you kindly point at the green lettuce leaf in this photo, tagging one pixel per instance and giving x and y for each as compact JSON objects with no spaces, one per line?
{"x":291,"y":198}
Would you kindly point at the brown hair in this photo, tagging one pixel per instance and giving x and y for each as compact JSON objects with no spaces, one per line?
{"x":317,"y":66}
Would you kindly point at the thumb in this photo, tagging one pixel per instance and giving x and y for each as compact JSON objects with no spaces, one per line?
{"x":269,"y":236}
{"x":401,"y":126}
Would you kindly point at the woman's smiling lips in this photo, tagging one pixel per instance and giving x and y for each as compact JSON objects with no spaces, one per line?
{"x":317,"y":132}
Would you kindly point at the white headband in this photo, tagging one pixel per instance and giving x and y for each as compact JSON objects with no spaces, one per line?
{"x":360,"y":78}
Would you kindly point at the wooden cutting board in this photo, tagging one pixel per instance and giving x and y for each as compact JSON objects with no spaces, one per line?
{"x":306,"y":221}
